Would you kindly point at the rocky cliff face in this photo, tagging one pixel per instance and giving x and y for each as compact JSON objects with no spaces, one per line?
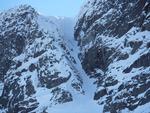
{"x":114,"y":38}
{"x":36,"y":68}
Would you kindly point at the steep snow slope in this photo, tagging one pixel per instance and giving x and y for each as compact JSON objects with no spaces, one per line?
{"x":44,"y":73}
{"x":114,"y":38}
{"x":81,"y":102}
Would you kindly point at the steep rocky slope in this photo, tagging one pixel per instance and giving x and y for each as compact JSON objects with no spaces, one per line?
{"x":114,"y":38}
{"x":36,"y":68}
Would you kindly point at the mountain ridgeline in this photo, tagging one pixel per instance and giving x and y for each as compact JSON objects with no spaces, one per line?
{"x":96,"y":64}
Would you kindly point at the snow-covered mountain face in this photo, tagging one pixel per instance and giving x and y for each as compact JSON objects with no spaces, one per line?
{"x":43,"y":70}
{"x":37,"y":69}
{"x":114,"y":38}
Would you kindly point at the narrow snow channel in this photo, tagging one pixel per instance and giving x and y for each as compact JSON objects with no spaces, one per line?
{"x":81,"y":103}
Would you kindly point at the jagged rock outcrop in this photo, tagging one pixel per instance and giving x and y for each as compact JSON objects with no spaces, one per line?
{"x":114,"y":39}
{"x":12,"y":42}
